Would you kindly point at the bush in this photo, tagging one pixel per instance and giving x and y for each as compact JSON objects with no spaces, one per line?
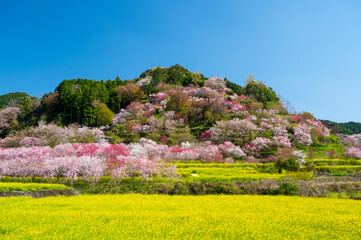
{"x":289,"y":165}
{"x":289,"y":188}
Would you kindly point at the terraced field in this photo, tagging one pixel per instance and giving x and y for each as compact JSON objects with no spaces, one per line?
{"x":226,"y":172}
{"x":207,"y":172}
{"x":179,"y":217}
{"x":341,"y":166}
{"x":15,"y":186}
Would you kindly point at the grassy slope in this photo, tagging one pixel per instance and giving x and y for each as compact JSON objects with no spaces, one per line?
{"x":179,"y":217}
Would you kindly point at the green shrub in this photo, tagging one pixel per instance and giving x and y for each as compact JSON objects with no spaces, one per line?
{"x":289,"y":188}
{"x":333,"y":195}
{"x":289,"y":165}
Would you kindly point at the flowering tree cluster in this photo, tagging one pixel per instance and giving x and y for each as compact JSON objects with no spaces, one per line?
{"x":187,"y":151}
{"x":7,"y":118}
{"x":302,"y":134}
{"x":51,"y":135}
{"x":256,"y":127}
{"x":300,"y":157}
{"x":79,"y":160}
{"x":235,"y":130}
{"x":354,"y":148}
{"x":353,"y":152}
{"x":143,"y":81}
{"x":143,"y":159}
{"x":236,"y":107}
{"x":353,"y":140}
{"x":230,"y":150}
{"x":215,"y":83}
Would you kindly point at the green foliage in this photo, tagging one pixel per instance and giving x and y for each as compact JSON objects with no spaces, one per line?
{"x":31,"y":111}
{"x":289,"y":188}
{"x":235,"y":87}
{"x":176,"y":75}
{"x":181,"y":135}
{"x":103,"y":114}
{"x":334,"y":139}
{"x":76,"y":97}
{"x":260,"y":91}
{"x":267,"y":134}
{"x":324,"y":150}
{"x":179,"y":102}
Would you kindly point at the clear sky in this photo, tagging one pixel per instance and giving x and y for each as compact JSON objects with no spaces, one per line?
{"x":307,"y":51}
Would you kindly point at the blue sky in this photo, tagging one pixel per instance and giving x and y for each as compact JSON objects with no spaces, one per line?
{"x":307,"y":51}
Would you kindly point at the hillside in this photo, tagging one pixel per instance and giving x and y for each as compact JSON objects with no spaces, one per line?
{"x":171,"y":106}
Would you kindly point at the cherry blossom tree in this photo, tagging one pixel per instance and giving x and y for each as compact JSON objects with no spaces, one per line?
{"x":7,"y":119}
{"x":215,"y":83}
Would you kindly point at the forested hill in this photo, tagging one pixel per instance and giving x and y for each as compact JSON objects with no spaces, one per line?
{"x":81,"y":100}
{"x":11,"y":99}
{"x":166,"y":105}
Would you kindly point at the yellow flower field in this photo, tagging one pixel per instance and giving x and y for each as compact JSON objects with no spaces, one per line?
{"x":179,"y":217}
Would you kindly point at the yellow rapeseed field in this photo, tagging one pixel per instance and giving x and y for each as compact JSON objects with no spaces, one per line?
{"x":179,"y":217}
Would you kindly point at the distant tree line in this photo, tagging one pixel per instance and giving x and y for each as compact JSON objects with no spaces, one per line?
{"x":347,"y":128}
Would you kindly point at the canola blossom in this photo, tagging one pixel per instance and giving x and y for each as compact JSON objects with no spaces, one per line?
{"x":179,"y":217}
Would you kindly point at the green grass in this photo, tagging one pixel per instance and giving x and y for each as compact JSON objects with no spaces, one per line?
{"x":15,"y":186}
{"x":179,"y":217}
